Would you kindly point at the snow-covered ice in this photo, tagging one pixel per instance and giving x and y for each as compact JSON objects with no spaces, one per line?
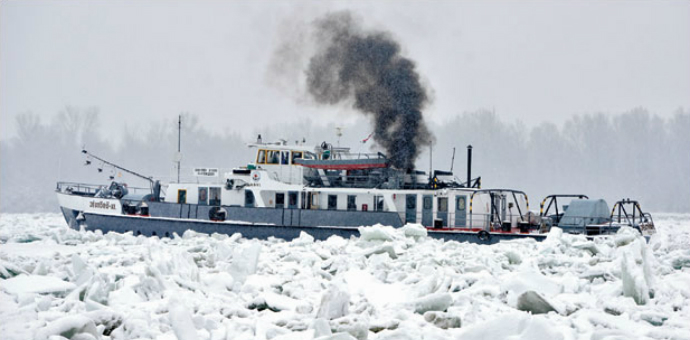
{"x":59,"y":283}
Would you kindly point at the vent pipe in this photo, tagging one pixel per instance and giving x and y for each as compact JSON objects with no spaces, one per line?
{"x":469,"y":166}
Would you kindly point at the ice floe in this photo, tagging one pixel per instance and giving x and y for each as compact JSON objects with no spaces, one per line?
{"x":57,"y":283}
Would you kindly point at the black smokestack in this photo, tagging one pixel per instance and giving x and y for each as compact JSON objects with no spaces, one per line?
{"x":367,"y":67}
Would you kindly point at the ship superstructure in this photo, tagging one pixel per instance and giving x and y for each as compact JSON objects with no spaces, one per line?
{"x":323,"y":190}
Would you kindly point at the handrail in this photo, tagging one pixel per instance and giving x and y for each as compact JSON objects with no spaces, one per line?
{"x":491,"y":193}
{"x":554,"y":200}
{"x":87,"y":188}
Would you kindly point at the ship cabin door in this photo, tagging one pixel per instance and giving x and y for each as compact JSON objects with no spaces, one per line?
{"x":461,"y":211}
{"x":292,"y":199}
{"x":182,"y":196}
{"x":411,"y":208}
{"x":280,"y":200}
{"x":427,"y":211}
{"x":248,"y":199}
{"x":442,"y":210}
{"x":313,"y":200}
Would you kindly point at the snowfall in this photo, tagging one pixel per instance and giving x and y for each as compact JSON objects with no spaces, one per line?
{"x":57,"y":283}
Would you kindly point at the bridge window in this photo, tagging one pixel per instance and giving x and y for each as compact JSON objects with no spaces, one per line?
{"x":272,"y":157}
{"x":182,"y":196}
{"x":332,"y":202}
{"x":284,"y":157}
{"x":261,"y":157}
{"x":296,"y":155}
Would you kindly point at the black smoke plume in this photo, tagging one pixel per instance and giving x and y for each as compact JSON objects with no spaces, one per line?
{"x":367,"y":67}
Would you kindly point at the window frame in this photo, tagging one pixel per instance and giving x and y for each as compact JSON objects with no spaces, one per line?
{"x":247,"y":194}
{"x":261,"y":156}
{"x":282,"y":197}
{"x":295,"y":155}
{"x":211,"y":200}
{"x":181,"y":196}
{"x":291,"y":195}
{"x":333,"y":206}
{"x":199,"y":191}
{"x":430,"y":201}
{"x":442,"y":207}
{"x":462,"y":199}
{"x":378,"y":203}
{"x":353,"y":205}
{"x":271,"y":155}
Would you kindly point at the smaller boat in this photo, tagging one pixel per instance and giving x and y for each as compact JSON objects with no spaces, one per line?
{"x":592,"y":216}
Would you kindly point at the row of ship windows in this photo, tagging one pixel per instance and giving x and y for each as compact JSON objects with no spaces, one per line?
{"x":206,"y":196}
{"x":211,"y":196}
{"x":310,"y":201}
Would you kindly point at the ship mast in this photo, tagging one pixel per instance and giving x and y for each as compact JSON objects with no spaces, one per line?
{"x":179,"y":137}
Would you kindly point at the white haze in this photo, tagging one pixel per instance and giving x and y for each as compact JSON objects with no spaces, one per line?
{"x":141,"y":61}
{"x":588,"y":97}
{"x":633,"y":154}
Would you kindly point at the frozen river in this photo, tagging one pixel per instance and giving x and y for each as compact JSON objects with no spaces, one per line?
{"x":386,"y":284}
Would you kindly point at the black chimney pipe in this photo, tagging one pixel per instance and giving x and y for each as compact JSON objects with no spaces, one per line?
{"x":469,"y":166}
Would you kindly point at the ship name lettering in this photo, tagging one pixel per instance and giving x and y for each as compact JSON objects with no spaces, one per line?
{"x":102,"y":205}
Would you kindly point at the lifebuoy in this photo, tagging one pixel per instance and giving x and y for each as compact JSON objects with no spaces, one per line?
{"x":484,"y":235}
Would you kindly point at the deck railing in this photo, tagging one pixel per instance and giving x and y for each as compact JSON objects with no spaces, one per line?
{"x":86,"y":189}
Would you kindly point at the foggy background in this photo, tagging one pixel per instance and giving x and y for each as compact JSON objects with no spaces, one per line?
{"x":555,"y":97}
{"x":634,"y":154}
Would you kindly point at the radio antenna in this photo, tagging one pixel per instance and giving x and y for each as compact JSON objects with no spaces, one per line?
{"x":452,"y":161}
{"x":179,"y":138}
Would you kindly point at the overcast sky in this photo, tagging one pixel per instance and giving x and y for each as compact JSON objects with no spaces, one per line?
{"x":532,"y":61}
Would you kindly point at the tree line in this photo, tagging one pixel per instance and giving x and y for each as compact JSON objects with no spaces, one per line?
{"x":634,"y":154}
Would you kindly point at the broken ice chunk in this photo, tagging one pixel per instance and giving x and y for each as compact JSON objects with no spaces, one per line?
{"x":443,"y":320}
{"x":334,"y":303}
{"x":432,"y":302}
{"x":303,"y":239}
{"x":356,"y":326}
{"x":384,"y":248}
{"x":69,"y":327}
{"x":181,"y":321}
{"x":635,"y":272}
{"x":377,"y":232}
{"x":244,"y":262}
{"x":23,"y":283}
{"x":321,"y":327}
{"x":414,"y":230}
{"x":532,"y":302}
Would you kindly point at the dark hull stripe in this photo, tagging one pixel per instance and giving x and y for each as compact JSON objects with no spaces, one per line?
{"x":166,"y":227}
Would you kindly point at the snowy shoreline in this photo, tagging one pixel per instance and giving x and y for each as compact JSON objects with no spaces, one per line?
{"x":387,"y":284}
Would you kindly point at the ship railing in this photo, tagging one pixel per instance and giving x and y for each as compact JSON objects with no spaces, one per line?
{"x":362,"y":181}
{"x":79,"y":189}
{"x":493,"y":222}
{"x":359,"y":155}
{"x":86,"y":189}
